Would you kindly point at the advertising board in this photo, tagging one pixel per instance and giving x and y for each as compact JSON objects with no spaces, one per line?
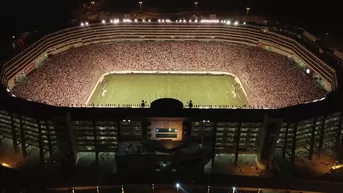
{"x":309,"y":36}
{"x":21,"y":76}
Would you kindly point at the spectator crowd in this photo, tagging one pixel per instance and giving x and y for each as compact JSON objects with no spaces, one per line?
{"x":270,"y":80}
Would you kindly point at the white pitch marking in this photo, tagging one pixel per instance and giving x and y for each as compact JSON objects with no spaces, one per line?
{"x":104,"y":92}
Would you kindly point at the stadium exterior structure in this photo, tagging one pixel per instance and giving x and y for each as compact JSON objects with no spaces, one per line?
{"x":65,"y":131}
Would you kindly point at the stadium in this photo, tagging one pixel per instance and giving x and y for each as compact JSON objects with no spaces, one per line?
{"x":207,"y":96}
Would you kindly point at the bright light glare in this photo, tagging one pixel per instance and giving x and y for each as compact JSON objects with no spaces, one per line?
{"x":6,"y":165}
{"x":209,"y":21}
{"x":149,"y":20}
{"x":136,"y":20}
{"x":127,"y":20}
{"x":178,"y":185}
{"x":86,"y":23}
{"x":82,"y":24}
{"x":234,"y":188}
{"x":103,"y":21}
{"x":308,"y":71}
{"x":236,"y":23}
{"x":228,"y":22}
{"x":244,"y":23}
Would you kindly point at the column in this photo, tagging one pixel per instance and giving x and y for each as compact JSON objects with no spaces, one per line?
{"x":321,"y":138}
{"x":238,"y":136}
{"x":22,"y":137}
{"x":41,"y":145}
{"x":49,"y":138}
{"x":313,"y":135}
{"x":95,"y":145}
{"x":144,"y":129}
{"x":339,"y":131}
{"x":118,"y":131}
{"x":214,"y":138}
{"x":294,"y":143}
{"x":187,"y":126}
{"x":285,"y":142}
{"x":14,"y":135}
{"x":65,"y":140}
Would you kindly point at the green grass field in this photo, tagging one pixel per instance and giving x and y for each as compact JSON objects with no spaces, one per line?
{"x":124,"y":89}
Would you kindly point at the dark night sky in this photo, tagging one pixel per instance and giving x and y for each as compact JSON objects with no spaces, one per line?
{"x":319,"y":16}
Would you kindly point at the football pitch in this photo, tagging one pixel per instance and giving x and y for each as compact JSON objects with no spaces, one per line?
{"x":204,"y":90}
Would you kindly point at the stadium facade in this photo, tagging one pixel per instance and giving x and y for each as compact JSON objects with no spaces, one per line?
{"x":65,"y":131}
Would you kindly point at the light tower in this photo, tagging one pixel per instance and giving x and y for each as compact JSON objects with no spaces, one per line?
{"x":248,"y":9}
{"x":140,"y":4}
{"x":196,"y":4}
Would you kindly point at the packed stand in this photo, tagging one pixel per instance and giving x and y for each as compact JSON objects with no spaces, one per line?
{"x":270,"y":80}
